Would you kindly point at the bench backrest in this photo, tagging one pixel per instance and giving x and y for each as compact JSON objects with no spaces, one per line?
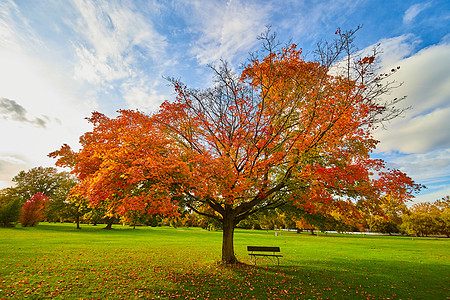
{"x":263,"y":249}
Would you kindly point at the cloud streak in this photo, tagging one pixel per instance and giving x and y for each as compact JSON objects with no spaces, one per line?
{"x":414,"y":10}
{"x":115,"y":40}
{"x":225,"y":30}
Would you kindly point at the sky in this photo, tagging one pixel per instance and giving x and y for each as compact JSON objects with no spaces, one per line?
{"x":61,"y":60}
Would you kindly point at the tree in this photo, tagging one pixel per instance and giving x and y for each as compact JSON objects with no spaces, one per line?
{"x":33,"y":210}
{"x":428,"y":218}
{"x":391,"y":219}
{"x":9,"y":212}
{"x":444,"y":215}
{"x":125,"y":166}
{"x":44,"y":180}
{"x":61,"y":207}
{"x":283,"y":131}
{"x":49,"y":181}
{"x":421,"y":220}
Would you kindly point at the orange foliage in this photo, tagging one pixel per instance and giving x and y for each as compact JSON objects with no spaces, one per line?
{"x":284,"y":130}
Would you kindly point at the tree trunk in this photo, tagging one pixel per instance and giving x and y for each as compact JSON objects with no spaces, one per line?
{"x":228,"y":256}
{"x":109,"y":224}
{"x":78,"y":220}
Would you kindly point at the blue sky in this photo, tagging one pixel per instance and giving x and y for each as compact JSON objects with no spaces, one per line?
{"x":61,"y":60}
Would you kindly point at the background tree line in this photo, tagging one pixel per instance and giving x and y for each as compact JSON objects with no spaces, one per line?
{"x":44,"y":194}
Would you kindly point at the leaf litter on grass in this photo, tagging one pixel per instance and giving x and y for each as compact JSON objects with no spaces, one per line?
{"x":183,"y":266}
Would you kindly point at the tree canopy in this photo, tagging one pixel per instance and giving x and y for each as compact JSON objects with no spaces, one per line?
{"x":284,"y":130}
{"x":46,"y":180}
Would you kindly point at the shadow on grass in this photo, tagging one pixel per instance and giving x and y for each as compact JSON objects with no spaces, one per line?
{"x":337,"y":279}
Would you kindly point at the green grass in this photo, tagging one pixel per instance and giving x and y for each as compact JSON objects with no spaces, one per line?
{"x":56,"y":261}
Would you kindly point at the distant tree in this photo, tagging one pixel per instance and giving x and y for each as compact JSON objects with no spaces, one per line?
{"x":421,"y":220}
{"x":33,"y":210}
{"x":9,"y":213}
{"x":428,"y":218}
{"x":322,"y":221}
{"x":389,"y":219}
{"x":8,"y":216}
{"x":60,"y":206}
{"x":443,"y":219}
{"x":75,"y":208}
{"x":45,"y":180}
{"x":56,"y":185}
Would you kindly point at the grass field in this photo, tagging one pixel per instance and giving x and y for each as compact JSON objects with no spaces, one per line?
{"x":56,"y":261}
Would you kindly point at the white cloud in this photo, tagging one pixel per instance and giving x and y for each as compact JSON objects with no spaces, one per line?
{"x":427,"y":168}
{"x":431,"y":169}
{"x":114,"y":38}
{"x":434,"y":193}
{"x":413,"y":11}
{"x":225,"y":29}
{"x":418,"y":134}
{"x":11,"y":22}
{"x":116,"y":47}
{"x":142,"y":96}
{"x":395,"y":49}
{"x":12,"y":160}
{"x":423,"y":132}
{"x":427,"y":86}
{"x":311,"y":22}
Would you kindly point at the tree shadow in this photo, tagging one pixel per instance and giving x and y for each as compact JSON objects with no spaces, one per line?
{"x":336,"y":279}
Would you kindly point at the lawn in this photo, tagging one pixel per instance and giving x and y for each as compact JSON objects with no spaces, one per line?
{"x":56,"y":261}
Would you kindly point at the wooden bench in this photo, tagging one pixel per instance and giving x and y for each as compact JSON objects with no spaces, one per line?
{"x":259,"y":249}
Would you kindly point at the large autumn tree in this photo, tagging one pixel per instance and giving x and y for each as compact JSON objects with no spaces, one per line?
{"x":282,"y":131}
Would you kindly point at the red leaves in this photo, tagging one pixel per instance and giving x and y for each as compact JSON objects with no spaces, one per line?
{"x":32,"y":212}
{"x":367,"y":60}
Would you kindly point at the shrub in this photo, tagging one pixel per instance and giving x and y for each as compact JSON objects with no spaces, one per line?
{"x":33,"y":209}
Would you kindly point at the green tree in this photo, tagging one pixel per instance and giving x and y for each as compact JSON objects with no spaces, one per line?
{"x":54,"y":184}
{"x":46,"y":180}
{"x":445,"y":221}
{"x":10,"y":208}
{"x":10,"y":213}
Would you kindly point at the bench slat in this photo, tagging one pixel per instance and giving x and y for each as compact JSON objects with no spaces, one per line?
{"x":263,"y":249}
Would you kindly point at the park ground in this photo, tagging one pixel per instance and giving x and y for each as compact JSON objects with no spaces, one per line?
{"x":56,"y":261}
